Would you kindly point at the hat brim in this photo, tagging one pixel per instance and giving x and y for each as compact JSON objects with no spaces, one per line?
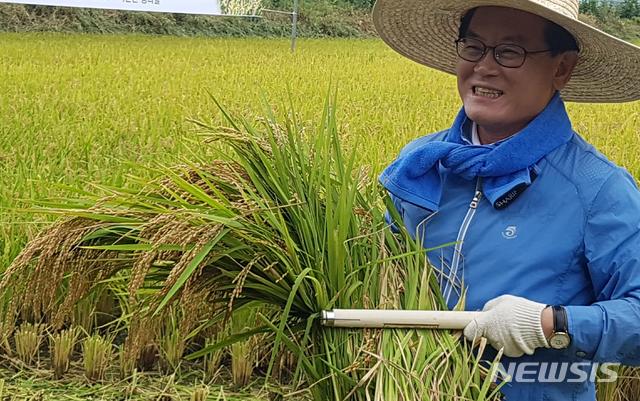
{"x":608,"y":69}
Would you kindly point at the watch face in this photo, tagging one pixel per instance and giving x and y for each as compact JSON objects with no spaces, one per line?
{"x":559,"y":340}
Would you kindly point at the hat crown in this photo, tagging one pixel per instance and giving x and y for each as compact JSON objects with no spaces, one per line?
{"x":568,"y":8}
{"x":424,"y":31}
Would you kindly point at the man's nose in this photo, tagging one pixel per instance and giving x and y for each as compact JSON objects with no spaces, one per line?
{"x":487,"y":64}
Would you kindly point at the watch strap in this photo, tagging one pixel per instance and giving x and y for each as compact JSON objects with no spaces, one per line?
{"x":560,"y":321}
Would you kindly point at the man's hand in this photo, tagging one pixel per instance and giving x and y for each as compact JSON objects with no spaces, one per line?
{"x":512,"y":323}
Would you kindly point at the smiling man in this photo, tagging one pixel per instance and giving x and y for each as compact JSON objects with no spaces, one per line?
{"x":503,"y":99}
{"x":547,"y":229}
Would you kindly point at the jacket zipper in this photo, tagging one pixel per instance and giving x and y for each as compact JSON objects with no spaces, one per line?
{"x":462,"y":233}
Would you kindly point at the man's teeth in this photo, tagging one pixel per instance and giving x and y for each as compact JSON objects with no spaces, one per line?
{"x":490,"y":93}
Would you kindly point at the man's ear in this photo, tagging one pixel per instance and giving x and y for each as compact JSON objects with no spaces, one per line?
{"x":564,"y":68}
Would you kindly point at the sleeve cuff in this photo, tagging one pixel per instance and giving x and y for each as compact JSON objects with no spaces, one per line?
{"x":586,"y":324}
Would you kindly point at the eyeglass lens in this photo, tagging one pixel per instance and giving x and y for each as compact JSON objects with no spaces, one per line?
{"x":507,"y":55}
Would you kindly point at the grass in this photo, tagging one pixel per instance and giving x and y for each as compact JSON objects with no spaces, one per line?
{"x":92,"y":109}
{"x":82,"y":109}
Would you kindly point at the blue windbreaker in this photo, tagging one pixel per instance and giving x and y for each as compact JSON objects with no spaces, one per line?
{"x":571,"y":238}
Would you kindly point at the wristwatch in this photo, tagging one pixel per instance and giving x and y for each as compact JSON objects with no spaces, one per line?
{"x":560,"y":338}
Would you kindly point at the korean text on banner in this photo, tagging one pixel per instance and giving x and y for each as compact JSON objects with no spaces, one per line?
{"x":210,"y":7}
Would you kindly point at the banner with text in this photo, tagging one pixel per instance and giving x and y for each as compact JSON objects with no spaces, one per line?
{"x":210,"y":7}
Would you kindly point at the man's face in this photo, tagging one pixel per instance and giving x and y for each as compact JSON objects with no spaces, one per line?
{"x":525,"y":91}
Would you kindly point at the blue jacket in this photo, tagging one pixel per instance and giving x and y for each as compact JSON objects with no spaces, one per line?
{"x":571,"y":238}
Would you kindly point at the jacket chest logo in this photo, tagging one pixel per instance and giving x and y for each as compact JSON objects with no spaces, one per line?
{"x":510,"y":232}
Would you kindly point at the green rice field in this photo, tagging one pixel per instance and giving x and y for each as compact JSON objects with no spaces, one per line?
{"x":78,"y":112}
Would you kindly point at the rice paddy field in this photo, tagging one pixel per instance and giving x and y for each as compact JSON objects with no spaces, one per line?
{"x":82,"y":114}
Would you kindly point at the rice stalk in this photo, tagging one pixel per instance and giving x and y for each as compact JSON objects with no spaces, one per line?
{"x":200,"y":393}
{"x":629,"y":383}
{"x":97,"y":353}
{"x":84,"y":315}
{"x":27,"y":339}
{"x":284,"y":366}
{"x":284,"y":220}
{"x":125,"y":364}
{"x":5,"y":346}
{"x":61,"y":348}
{"x":212,"y":361}
{"x":171,"y":343}
{"x":244,"y":355}
{"x":626,"y":387}
{"x":139,"y":349}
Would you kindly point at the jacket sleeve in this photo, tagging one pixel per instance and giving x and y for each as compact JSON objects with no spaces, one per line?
{"x":609,"y":329}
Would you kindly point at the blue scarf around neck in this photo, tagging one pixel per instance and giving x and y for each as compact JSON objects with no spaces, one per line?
{"x":415,"y":175}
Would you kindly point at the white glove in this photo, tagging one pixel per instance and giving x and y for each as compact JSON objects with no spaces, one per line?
{"x":512,"y":323}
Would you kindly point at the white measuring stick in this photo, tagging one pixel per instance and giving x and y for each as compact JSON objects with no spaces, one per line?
{"x":385,"y":318}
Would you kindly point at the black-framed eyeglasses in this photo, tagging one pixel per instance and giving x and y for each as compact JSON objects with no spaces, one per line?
{"x":507,"y":55}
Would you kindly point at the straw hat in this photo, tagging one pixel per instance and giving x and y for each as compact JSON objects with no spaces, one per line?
{"x":608,"y":68}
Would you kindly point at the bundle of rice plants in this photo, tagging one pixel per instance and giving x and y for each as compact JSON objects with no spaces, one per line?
{"x":244,"y":354}
{"x":61,"y":347}
{"x":284,"y":220}
{"x":28,"y":338}
{"x":97,"y":353}
{"x":171,"y":343}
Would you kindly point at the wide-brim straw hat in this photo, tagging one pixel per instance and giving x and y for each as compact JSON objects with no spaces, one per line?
{"x":608,"y":68}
